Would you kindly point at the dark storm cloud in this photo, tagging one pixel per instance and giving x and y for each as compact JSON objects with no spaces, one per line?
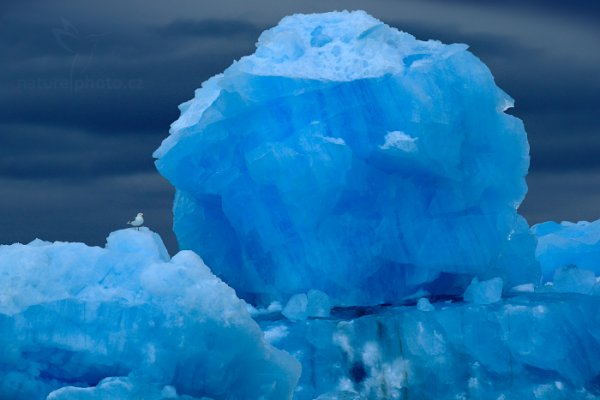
{"x":559,"y":154}
{"x":21,"y":40}
{"x":582,"y":8}
{"x":209,"y":28}
{"x":84,"y":211}
{"x":104,"y":89}
{"x":32,"y":152}
{"x":563,"y":196}
{"x":89,"y":103}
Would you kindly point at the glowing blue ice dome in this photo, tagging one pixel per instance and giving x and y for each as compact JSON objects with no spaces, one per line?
{"x":349,"y":157}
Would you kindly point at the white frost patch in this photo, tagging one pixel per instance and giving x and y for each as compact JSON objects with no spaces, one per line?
{"x":400,"y":141}
{"x":510,"y":234}
{"x":543,"y":391}
{"x":384,"y":379}
{"x":524,"y":288}
{"x":344,"y":343}
{"x":540,"y":310}
{"x":387,"y":380}
{"x":345,"y":385}
{"x":276,"y":333}
{"x":395,"y":374}
{"x":334,"y":140}
{"x":473,"y":383}
{"x":252,"y":310}
{"x":169,"y":392}
{"x":371,"y":355}
{"x":272,"y":308}
{"x":424,"y":305}
{"x":505,"y":104}
{"x":484,"y":292}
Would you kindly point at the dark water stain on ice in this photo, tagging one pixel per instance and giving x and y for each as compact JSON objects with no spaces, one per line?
{"x":357,"y":372}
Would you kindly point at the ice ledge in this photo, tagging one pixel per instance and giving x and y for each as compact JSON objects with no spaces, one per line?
{"x":74,"y":315}
{"x":338,"y":46}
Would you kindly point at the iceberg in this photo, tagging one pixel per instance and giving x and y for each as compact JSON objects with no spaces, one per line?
{"x":354,"y":191}
{"x":348,"y":157}
{"x":569,"y":255}
{"x":568,"y":244}
{"x":127,"y":321}
{"x":527,"y":347}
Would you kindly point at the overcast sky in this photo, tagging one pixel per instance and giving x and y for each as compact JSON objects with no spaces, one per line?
{"x":89,"y":91}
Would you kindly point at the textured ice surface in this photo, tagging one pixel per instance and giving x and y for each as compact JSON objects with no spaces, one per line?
{"x":349,"y":157}
{"x":486,"y":292}
{"x":73,"y":315}
{"x":119,"y":389}
{"x":312,"y":304}
{"x":571,"y":279}
{"x":344,"y":162}
{"x":568,"y":244}
{"x":532,"y":346}
{"x":424,"y":305}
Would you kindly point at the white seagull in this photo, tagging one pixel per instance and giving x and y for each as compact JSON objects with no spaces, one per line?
{"x":137,"y":221}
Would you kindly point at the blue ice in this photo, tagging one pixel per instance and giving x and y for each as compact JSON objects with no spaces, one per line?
{"x":127,"y":321}
{"x":349,"y":157}
{"x":530,"y":346}
{"x":568,"y":243}
{"x":359,"y":189}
